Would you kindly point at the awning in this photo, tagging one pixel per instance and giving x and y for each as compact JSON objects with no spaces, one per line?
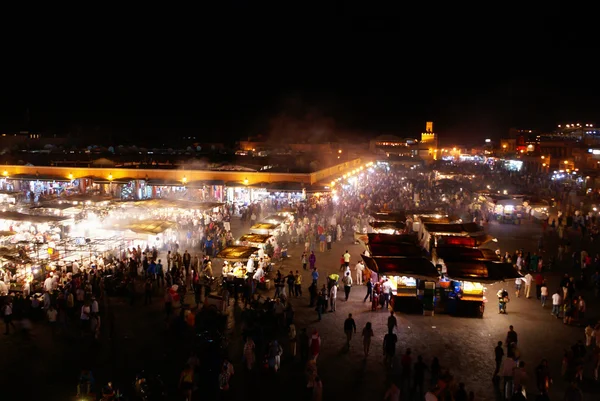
{"x":392,"y":239}
{"x":275,"y":219}
{"x":255,"y":238}
{"x":237,"y":252}
{"x":118,"y":181}
{"x":481,"y":271}
{"x":389,"y":216}
{"x":286,"y":186}
{"x":165,"y":183}
{"x":388,"y":225}
{"x":261,"y":228}
{"x":15,"y":216}
{"x":202,"y":183}
{"x":171,"y":203}
{"x":461,"y":254}
{"x":151,"y":227}
{"x":420,"y":268}
{"x":38,"y":177}
{"x":400,"y":249}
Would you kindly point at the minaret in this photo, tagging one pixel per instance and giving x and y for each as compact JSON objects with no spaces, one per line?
{"x":428,"y":136}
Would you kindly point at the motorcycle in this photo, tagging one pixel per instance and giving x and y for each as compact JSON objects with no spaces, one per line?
{"x":149,"y":387}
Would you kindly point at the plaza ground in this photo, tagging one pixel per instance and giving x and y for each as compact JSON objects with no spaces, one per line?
{"x":135,"y":338}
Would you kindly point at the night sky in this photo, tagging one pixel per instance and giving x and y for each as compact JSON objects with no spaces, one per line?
{"x":358,"y":73}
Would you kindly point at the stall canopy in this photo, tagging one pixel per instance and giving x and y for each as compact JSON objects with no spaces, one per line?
{"x":38,"y":177}
{"x":481,"y":271}
{"x":458,"y":254}
{"x":275,"y":219}
{"x":457,"y":229}
{"x":255,"y":238}
{"x":420,"y":268}
{"x":104,"y":180}
{"x":392,"y":239}
{"x":237,"y":252}
{"x":151,"y":227}
{"x":389,"y":216}
{"x":399,"y":249}
{"x":171,"y":203}
{"x":16,"y":216}
{"x":259,"y":228}
{"x":388,"y":225}
{"x":470,"y":242}
{"x":165,"y":183}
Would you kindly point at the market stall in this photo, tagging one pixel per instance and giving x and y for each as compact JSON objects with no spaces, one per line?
{"x":265,"y":228}
{"x":254,"y":240}
{"x":429,"y":232}
{"x":408,"y":277}
{"x":462,"y":287}
{"x":388,"y":227}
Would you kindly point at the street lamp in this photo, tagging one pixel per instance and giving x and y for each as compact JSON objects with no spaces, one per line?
{"x":71,"y":176}
{"x":245,"y":181}
{"x":184,"y":180}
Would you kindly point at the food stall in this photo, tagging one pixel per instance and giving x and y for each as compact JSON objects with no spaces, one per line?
{"x":462,"y":287}
{"x":254,"y":240}
{"x":388,"y":227}
{"x":265,"y":228}
{"x":234,"y":268}
{"x":276,"y":219}
{"x":430,"y":232}
{"x":408,"y":276}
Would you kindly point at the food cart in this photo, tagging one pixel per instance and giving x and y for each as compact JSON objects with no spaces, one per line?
{"x":276,"y":219}
{"x":234,"y":270}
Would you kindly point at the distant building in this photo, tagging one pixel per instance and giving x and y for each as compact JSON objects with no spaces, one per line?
{"x":586,"y":133}
{"x":425,"y":149}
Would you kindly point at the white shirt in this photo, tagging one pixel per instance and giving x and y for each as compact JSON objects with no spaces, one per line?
{"x":85,"y":313}
{"x":250,"y":265}
{"x":48,"y":284}
{"x":259,"y":274}
{"x":544,"y":291}
{"x":75,"y":267}
{"x":387,"y":287}
{"x":518,"y":281}
{"x":359,"y":267}
{"x":261,"y":253}
{"x":347,"y":280}
{"x":333,"y":292}
{"x":95,"y":306}
{"x":528,"y":278}
{"x":556,"y":300}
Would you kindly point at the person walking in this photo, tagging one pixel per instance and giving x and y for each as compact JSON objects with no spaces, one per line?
{"x":349,"y":329}
{"x":498,"y":355}
{"x":369,"y":291}
{"x":347,"y":280}
{"x":315,"y":276}
{"x":346,"y":259}
{"x":333,"y":297}
{"x":298,"y":284}
{"x":312,"y":260}
{"x":544,"y":294}
{"x":389,"y":348}
{"x":304,"y":260}
{"x":528,"y":279}
{"x":367,"y":334}
{"x":392,"y":322}
{"x":418,"y":387}
{"x":359,"y":268}
{"x":7,"y":312}
{"x":556,"y":303}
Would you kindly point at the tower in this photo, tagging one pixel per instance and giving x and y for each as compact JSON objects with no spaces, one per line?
{"x":429,"y":136}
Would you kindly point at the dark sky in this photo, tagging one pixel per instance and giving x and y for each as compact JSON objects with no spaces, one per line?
{"x":359,"y":71}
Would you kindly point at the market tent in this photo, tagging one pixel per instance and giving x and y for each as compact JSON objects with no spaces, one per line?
{"x":116,"y":181}
{"x":261,"y":228}
{"x":170,"y":203}
{"x":237,"y":252}
{"x":481,"y":271}
{"x":399,"y":249}
{"x":255,"y":238}
{"x":392,"y":239}
{"x":38,"y":177}
{"x":165,"y":183}
{"x":16,"y":216}
{"x":458,"y":254}
{"x":275,"y":219}
{"x":389,"y":216}
{"x":457,"y":229}
{"x":388,"y":225}
{"x":147,"y":226}
{"x":420,"y":268}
